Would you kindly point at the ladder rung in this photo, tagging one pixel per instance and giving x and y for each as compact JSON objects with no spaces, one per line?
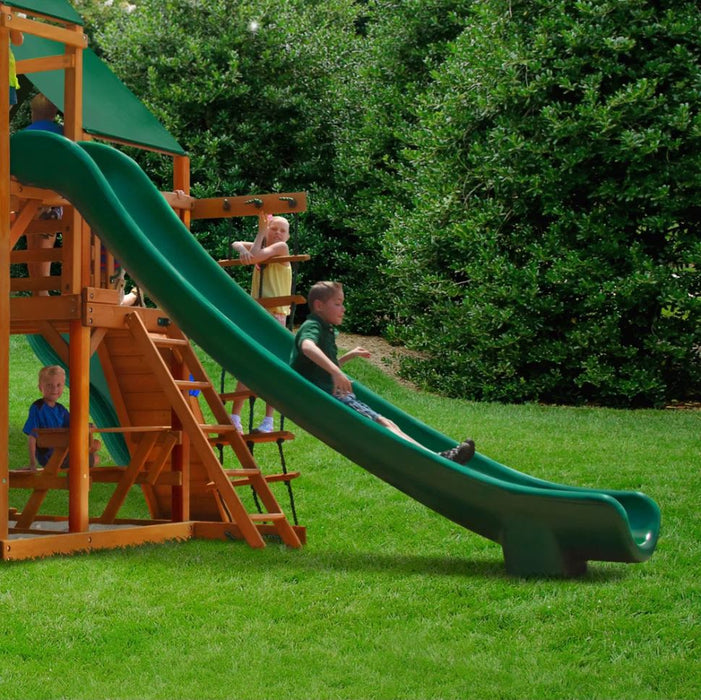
{"x":281,"y":301}
{"x":232,"y":395}
{"x":242,"y":472}
{"x":163,"y":341}
{"x":269,"y":437}
{"x":183,"y":384}
{"x":218,"y":428}
{"x":263,"y":517}
{"x":268,"y":477}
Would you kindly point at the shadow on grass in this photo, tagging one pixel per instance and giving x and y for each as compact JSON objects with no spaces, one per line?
{"x":389,"y":564}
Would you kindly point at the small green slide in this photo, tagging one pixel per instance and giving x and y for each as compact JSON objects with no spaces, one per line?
{"x":544,"y":528}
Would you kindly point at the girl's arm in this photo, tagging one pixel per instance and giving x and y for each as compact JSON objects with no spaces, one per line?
{"x":257,"y":252}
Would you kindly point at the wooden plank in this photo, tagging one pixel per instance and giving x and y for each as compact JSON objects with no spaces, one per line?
{"x":269,"y":302}
{"x":236,"y":262}
{"x":22,"y":257}
{"x":225,"y":531}
{"x":26,"y":214}
{"x":65,"y":307}
{"x":38,"y":65}
{"x":55,"y":339}
{"x":138,"y":459}
{"x":250,"y":205}
{"x":26,"y":479}
{"x":33,"y":547}
{"x":48,"y":198}
{"x":99,"y":295}
{"x":36,"y":284}
{"x":69,"y":37}
{"x":111,"y":475}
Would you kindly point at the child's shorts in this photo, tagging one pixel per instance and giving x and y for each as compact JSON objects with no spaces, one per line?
{"x":352,"y":402}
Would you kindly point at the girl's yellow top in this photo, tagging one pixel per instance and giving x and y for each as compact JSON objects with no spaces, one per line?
{"x":277,"y":282}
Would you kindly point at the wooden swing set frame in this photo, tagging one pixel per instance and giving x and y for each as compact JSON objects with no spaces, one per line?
{"x":149,"y":365}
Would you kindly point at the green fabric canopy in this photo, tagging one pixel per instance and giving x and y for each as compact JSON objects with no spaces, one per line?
{"x":60,"y":9}
{"x":110,"y":109}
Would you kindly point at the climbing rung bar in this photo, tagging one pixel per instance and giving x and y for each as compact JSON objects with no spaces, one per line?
{"x":164,"y":342}
{"x":281,"y":301}
{"x":266,"y":517}
{"x":218,"y":428}
{"x":231,"y":395}
{"x":184,"y":384}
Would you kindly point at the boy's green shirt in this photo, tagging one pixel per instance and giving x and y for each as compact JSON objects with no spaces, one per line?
{"x":323,"y":335}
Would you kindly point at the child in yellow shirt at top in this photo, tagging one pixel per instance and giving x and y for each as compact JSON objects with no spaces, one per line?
{"x":270,"y":241}
{"x":16,"y":38}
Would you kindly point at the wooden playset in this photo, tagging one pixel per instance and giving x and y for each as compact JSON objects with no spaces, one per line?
{"x":149,"y":365}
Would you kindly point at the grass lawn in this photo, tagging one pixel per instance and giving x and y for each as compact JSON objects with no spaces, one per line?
{"x":387,"y":599}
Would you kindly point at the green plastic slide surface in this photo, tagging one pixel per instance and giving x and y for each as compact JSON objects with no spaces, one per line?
{"x":544,"y":528}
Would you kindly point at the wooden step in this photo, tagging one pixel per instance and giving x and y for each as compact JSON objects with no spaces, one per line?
{"x":233,"y":395}
{"x":186,"y":384}
{"x":269,"y":437}
{"x":218,"y":428}
{"x":269,"y":302}
{"x":270,"y":478}
{"x":165,"y":342}
{"x":267,"y":517}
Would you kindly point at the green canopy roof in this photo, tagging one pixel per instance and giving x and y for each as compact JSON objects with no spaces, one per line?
{"x":110,"y":109}
{"x":60,"y":9}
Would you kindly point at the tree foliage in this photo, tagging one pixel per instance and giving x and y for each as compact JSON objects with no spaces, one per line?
{"x":510,"y":186}
{"x":551,"y":255}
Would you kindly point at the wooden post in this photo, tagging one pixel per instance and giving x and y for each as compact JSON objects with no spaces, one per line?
{"x":181,"y":181}
{"x":77,"y":257}
{"x":4,"y":277}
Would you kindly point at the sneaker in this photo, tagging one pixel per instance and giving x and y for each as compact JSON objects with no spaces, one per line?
{"x":266,"y":426}
{"x":461,"y":453}
{"x":236,"y":420}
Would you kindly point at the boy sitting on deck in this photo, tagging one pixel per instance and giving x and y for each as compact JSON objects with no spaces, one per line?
{"x":47,"y":412}
{"x":314,"y":356}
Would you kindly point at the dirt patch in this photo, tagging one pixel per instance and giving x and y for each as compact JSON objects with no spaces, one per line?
{"x":382,"y":355}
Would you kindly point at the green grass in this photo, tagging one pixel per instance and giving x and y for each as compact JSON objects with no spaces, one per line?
{"x":387,"y":599}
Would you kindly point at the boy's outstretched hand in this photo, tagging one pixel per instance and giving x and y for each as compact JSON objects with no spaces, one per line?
{"x":355,"y":352}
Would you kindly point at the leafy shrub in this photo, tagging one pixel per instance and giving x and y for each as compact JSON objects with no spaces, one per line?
{"x":556,"y":169}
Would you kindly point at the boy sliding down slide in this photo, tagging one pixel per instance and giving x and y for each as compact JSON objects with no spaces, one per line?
{"x":315,"y":357}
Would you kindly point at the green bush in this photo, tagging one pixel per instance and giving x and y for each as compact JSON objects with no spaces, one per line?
{"x":556,"y":167}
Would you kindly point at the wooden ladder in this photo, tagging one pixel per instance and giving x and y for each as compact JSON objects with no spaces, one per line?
{"x":172,"y":358}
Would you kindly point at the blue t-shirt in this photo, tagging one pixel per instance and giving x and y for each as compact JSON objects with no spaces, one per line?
{"x":45,"y":125}
{"x":41,"y":415}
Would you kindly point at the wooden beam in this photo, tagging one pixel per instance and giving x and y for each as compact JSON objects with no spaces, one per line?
{"x":20,"y":224}
{"x":21,"y":257}
{"x":69,"y":37}
{"x":121,"y":536}
{"x":35,"y":309}
{"x":250,"y":205}
{"x":56,"y":341}
{"x":39,"y":65}
{"x":47,"y":197}
{"x":236,"y":262}
{"x":79,"y":367}
{"x":4,"y":277}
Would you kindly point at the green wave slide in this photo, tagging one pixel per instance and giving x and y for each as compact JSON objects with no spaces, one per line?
{"x":544,"y":528}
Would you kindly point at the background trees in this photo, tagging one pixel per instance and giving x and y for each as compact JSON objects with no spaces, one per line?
{"x":510,"y":187}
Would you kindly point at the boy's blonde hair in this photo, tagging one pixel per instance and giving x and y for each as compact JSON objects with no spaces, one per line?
{"x":323,"y":291}
{"x":43,"y":109}
{"x":50,"y":371}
